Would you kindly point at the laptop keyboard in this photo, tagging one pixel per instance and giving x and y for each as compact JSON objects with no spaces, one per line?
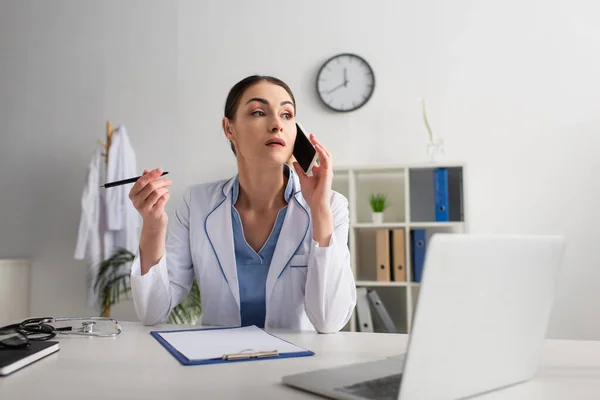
{"x":385,"y":388}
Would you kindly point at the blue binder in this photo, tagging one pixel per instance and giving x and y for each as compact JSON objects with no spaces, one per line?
{"x":440,"y":182}
{"x":221,"y":360}
{"x":418,"y":251}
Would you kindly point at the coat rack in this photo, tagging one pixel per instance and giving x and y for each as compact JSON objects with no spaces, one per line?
{"x":109,"y":133}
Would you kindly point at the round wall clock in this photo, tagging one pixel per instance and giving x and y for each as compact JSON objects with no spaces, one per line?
{"x":345,"y":82}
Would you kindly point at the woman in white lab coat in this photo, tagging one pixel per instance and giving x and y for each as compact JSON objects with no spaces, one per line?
{"x":268,"y":247}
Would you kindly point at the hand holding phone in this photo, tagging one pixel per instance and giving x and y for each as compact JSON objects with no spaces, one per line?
{"x":304,"y":152}
{"x":315,"y":183}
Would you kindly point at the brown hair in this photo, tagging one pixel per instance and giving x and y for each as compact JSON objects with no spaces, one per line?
{"x":237,"y":91}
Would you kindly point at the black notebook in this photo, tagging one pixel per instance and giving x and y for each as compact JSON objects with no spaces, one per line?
{"x":12,"y":359}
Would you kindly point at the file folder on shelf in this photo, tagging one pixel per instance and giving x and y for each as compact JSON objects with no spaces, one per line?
{"x":363,"y":311}
{"x":382,"y":254}
{"x":382,"y":312}
{"x":418,"y":239}
{"x":440,"y":182}
{"x":224,"y":345}
{"x":398,"y":263}
{"x":455,"y":194}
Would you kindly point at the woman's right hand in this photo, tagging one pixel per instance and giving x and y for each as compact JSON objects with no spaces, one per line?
{"x":149,"y":195}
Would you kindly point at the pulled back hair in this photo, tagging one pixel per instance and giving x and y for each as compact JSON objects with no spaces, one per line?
{"x":238,"y":90}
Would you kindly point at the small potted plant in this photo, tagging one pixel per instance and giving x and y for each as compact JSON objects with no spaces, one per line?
{"x":378,"y":204}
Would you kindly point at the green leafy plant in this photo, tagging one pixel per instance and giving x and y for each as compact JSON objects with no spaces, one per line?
{"x":113,"y":284}
{"x":378,"y":202}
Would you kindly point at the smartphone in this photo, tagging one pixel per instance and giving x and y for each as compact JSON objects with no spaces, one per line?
{"x":304,"y":152}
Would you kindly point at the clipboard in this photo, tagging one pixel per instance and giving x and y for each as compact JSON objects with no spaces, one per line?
{"x":252,"y":344}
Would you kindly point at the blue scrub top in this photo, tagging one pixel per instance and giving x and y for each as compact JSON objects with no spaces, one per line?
{"x":253,"y":267}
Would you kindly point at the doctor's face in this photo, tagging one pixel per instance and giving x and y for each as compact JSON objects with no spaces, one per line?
{"x":263,"y":130}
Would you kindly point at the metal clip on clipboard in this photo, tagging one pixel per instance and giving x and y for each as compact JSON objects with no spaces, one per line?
{"x":246,"y":354}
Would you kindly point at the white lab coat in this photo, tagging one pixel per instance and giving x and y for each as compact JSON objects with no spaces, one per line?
{"x":108,"y":219}
{"x":90,"y":234}
{"x":308,"y":287}
{"x":122,"y":219}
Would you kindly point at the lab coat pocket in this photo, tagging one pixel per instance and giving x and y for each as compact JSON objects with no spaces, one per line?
{"x":299,"y":271}
{"x":299,"y":281}
{"x":299,"y":261}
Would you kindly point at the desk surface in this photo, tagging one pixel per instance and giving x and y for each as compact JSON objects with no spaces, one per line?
{"x":135,"y":366}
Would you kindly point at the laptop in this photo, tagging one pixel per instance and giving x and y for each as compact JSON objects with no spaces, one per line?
{"x":481,"y":318}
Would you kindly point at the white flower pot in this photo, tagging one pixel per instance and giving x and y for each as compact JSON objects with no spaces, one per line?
{"x":377,"y":217}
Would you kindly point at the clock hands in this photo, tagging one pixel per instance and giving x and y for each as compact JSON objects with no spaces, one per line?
{"x":341,"y":85}
{"x":344,"y":84}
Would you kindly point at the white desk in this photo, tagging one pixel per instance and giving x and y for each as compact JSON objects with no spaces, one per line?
{"x":135,"y":366}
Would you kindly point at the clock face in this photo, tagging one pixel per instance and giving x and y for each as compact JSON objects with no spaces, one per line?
{"x":345,"y":82}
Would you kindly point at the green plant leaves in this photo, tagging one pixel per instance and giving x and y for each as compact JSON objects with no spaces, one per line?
{"x":113,"y":284}
{"x":378,"y":202}
{"x":189,"y":310}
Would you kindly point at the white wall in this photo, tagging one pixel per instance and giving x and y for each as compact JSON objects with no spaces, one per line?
{"x":512,"y":87}
{"x":67,"y":67}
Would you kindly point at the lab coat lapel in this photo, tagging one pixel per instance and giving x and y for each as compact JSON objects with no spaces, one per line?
{"x":293,"y":232}
{"x":220,"y":235}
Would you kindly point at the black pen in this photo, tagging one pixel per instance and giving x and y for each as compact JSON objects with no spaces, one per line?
{"x":124,"y":181}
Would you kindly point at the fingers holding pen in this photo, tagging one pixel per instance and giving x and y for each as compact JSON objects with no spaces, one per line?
{"x":149,"y":189}
{"x":147,"y":177}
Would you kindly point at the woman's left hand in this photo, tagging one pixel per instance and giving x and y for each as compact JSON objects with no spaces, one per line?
{"x":316,"y":189}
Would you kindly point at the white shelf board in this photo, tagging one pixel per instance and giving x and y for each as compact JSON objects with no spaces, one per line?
{"x":381,"y":283}
{"x":397,"y":167}
{"x":435,"y":224}
{"x":369,"y":225}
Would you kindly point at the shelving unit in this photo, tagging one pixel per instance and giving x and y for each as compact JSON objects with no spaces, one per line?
{"x":410,"y":191}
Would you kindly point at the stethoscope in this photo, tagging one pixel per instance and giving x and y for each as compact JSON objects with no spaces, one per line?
{"x":41,"y":327}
